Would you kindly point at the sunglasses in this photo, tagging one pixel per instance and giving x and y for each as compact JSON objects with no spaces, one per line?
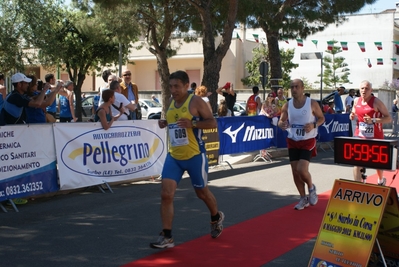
{"x":127,"y":74}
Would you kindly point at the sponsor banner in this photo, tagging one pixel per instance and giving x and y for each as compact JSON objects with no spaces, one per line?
{"x":27,"y":161}
{"x":88,"y":155}
{"x":334,"y":125}
{"x":350,"y":224}
{"x":211,"y":140}
{"x":244,"y":134}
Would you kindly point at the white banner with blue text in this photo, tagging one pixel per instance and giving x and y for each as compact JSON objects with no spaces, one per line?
{"x":89,"y":155}
{"x":27,"y":161}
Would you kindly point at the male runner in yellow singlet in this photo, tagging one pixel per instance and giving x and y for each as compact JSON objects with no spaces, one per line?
{"x":186,"y":116}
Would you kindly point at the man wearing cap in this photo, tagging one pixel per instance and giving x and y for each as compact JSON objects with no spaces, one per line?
{"x":17,"y":100}
{"x":229,"y":95}
{"x":3,"y":89}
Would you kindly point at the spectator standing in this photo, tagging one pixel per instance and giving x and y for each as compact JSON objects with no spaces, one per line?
{"x":330,"y":109}
{"x":269,"y":106}
{"x":104,"y":113}
{"x":371,"y":113}
{"x":349,"y":101}
{"x":202,"y":91}
{"x":193,"y":86}
{"x":66,"y":103}
{"x":37,"y":115}
{"x":339,"y":106}
{"x":188,"y":114}
{"x":254,"y":103}
{"x":131,"y":92}
{"x":300,"y":117}
{"x":120,"y":101}
{"x":229,"y":95}
{"x":154,"y":98}
{"x":17,"y":101}
{"x":223,"y":111}
{"x":280,"y":99}
{"x":3,"y":89}
{"x":52,"y":108}
{"x":394,"y":111}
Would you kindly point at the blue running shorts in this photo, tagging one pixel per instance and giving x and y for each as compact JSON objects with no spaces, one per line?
{"x":197,"y":168}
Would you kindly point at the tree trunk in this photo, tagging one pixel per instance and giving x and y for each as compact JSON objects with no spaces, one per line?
{"x":213,"y":55}
{"x":274,"y":58}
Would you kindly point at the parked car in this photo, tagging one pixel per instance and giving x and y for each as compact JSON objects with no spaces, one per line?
{"x":240,"y":109}
{"x":149,"y":108}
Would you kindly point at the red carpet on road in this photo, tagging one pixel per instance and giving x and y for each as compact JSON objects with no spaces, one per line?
{"x":253,"y":242}
{"x":250,"y":243}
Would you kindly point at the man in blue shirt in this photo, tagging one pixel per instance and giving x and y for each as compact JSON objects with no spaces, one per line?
{"x":339,"y":106}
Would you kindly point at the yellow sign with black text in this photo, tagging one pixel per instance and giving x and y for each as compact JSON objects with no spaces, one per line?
{"x":351,"y":224}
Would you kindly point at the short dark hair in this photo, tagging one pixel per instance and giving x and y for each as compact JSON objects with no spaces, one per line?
{"x":1,"y":76}
{"x":193,"y":85}
{"x":107,"y":94}
{"x":105,"y":75}
{"x":180,"y":75}
{"x":255,"y":89}
{"x":113,"y":85}
{"x":48,"y":77}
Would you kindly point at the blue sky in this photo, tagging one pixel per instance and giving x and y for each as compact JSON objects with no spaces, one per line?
{"x":378,"y":6}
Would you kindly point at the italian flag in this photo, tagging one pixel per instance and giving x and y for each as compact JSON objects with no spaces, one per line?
{"x":285,"y":40}
{"x":299,"y":42}
{"x":362,"y":46}
{"x":238,"y":37}
{"x":344,"y":46}
{"x":378,"y":45}
{"x":394,"y":60}
{"x":256,"y":36}
{"x":330,"y":45}
{"x":396,"y":43}
{"x":315,"y":42}
{"x":369,"y":63}
{"x":380,"y":61}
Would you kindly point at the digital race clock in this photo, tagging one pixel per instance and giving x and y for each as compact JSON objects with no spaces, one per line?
{"x":371,"y":153}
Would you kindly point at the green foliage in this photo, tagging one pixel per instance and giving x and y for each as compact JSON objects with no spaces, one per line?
{"x":260,"y":54}
{"x":336,"y":71}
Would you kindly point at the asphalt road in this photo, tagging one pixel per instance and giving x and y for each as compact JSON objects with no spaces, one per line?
{"x":89,"y":228}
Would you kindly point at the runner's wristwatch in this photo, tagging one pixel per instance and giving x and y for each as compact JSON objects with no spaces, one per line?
{"x":194,"y":123}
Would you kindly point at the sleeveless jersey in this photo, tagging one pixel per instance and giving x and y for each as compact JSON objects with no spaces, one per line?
{"x":184,"y":143}
{"x":297,"y":118}
{"x":252,"y":105}
{"x":363,"y":129}
{"x":65,"y":111}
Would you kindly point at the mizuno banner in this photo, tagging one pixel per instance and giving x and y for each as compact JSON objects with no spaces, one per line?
{"x":334,"y":125}
{"x":244,"y":134}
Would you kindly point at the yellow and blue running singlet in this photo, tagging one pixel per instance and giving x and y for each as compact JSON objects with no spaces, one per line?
{"x":184,"y":143}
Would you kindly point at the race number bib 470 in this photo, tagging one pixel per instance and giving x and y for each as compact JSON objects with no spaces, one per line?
{"x":298,"y":131}
{"x":178,"y":136}
{"x":366,"y":130}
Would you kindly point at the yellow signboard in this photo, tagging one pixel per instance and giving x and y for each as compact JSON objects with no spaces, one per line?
{"x":350,"y":224}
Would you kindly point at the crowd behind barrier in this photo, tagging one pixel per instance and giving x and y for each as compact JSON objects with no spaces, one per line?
{"x":84,"y":154}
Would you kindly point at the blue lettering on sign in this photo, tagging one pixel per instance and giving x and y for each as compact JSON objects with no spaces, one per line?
{"x":121,"y":154}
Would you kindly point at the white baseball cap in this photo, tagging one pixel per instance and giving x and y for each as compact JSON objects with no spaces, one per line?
{"x":19,"y":77}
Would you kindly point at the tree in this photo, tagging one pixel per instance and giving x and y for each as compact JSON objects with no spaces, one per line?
{"x":73,"y":40}
{"x":215,"y":15}
{"x":11,"y":42}
{"x":294,"y":18}
{"x":260,"y":54}
{"x":336,"y":71}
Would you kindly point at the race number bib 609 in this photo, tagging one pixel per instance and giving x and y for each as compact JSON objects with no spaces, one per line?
{"x":178,"y":136}
{"x":366,"y":130}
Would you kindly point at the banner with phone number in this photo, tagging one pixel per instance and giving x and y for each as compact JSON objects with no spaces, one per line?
{"x":27,"y":161}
